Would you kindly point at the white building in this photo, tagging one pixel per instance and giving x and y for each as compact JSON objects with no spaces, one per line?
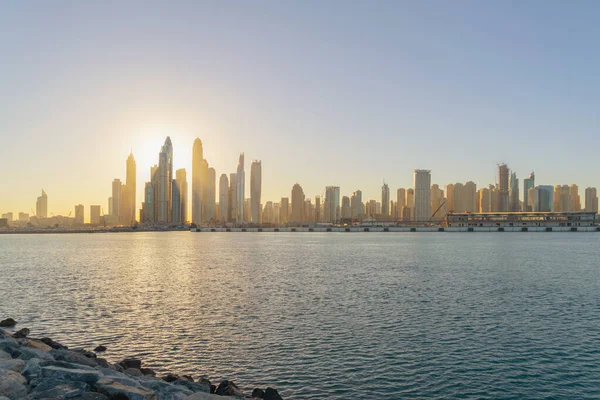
{"x":422,"y":183}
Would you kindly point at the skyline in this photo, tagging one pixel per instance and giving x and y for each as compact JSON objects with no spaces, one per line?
{"x":318,"y":101}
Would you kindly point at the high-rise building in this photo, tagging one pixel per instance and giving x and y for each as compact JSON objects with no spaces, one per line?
{"x":164,"y":184}
{"x":284,"y":210}
{"x":41,"y":206}
{"x":267,"y":214}
{"x":543,"y":199}
{"x":332,"y":204}
{"x":385,"y":200}
{"x":528,"y":183}
{"x":233,"y":198}
{"x":8,"y":216}
{"x":308,"y":211}
{"x":128,"y":193}
{"x":503,"y":188}
{"x":346,"y":212}
{"x":116,"y":198}
{"x":197,"y":164}
{"x":317,"y":209}
{"x":514,"y":202}
{"x":591,"y":200}
{"x":422,"y":183}
{"x":483,"y":201}
{"x":79,"y":214}
{"x":241,"y":189}
{"x":438,"y":203}
{"x":255,"y":190}
{"x":23,"y":217}
{"x":562,"y":198}
{"x":400,"y":202}
{"x":149,"y":204}
{"x":410,"y":204}
{"x":356,"y":205}
{"x":180,"y":197}
{"x":246,"y":210}
{"x":95,"y":215}
{"x":574,"y":199}
{"x":223,"y":198}
{"x":210,"y":191}
{"x":297,"y":204}
{"x":276,"y":213}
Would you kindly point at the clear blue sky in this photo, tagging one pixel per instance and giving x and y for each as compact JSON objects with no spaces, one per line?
{"x":325,"y":93}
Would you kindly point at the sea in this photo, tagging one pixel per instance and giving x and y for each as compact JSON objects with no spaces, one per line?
{"x":325,"y":315}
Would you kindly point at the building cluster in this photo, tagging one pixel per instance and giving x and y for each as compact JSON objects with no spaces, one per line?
{"x":165,"y":199}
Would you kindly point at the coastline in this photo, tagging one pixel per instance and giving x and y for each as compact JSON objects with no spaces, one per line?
{"x":37,"y":369}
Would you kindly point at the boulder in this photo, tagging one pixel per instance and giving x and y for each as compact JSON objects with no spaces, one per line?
{"x":12,"y":385}
{"x":52,"y":343}
{"x":68,"y":374}
{"x":27,"y":353}
{"x":4,"y":355}
{"x":194,"y":386}
{"x":203,"y":396}
{"x":258,"y":394}
{"x":100,"y":349}
{"x":228,"y":388}
{"x":57,"y":389}
{"x":15,"y":365}
{"x":7,"y":323}
{"x":170,"y":377}
{"x":114,"y":387}
{"x":187,"y":378}
{"x":72,"y":357}
{"x":148,"y":371}
{"x":103,"y":363}
{"x":38,"y":344}
{"x":21,"y":333}
{"x":166,"y":390}
{"x":271,"y":394}
{"x":131,"y":363}
{"x":133,"y":372}
{"x":91,"y":396}
{"x":84,"y":352}
{"x":32,"y":369}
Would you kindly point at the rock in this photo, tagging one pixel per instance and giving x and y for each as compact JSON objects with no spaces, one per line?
{"x":133,"y":372}
{"x":100,"y":348}
{"x":57,"y":389}
{"x":21,"y":333}
{"x":15,"y":365}
{"x":7,"y":323}
{"x":4,"y":355}
{"x":213,"y":388}
{"x":84,"y":352}
{"x":187,"y":378}
{"x":228,"y":388}
{"x":113,"y":387}
{"x":131,"y":363}
{"x":53,"y":344}
{"x":271,"y":394}
{"x":148,"y":371}
{"x":194,"y":386}
{"x":166,"y":390}
{"x":27,"y":353}
{"x":91,"y":396}
{"x":258,"y":393}
{"x":103,"y":362}
{"x":12,"y":385}
{"x":72,"y":357}
{"x":204,"y":396}
{"x":38,"y":344}
{"x":32,"y":369}
{"x":170,"y":377}
{"x":68,"y":374}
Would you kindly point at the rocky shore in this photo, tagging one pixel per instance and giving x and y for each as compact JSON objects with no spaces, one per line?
{"x":36,"y":369}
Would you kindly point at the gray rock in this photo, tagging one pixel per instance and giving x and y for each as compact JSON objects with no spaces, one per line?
{"x":166,"y":391}
{"x":148,"y":371}
{"x":72,"y":357}
{"x":194,"y":386}
{"x":53,"y":388}
{"x":32,"y":370}
{"x":100,"y":349}
{"x":103,"y":363}
{"x":271,"y":394}
{"x":228,"y":388}
{"x":68,"y":374}
{"x":8,"y":322}
{"x":53,"y":344}
{"x":113,"y":387}
{"x":38,"y":344}
{"x":12,"y":365}
{"x":4,"y":355}
{"x":4,"y":398}
{"x":27,"y":353}
{"x":133,"y":372}
{"x":204,"y":396}
{"x":21,"y":333}
{"x":91,"y":396}
{"x":258,"y":394}
{"x":12,"y":385}
{"x":65,"y":364}
{"x":10,"y":346}
{"x":131,"y":363}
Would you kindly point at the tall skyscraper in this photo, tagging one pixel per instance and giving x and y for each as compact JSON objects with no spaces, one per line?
{"x":211,"y":194}
{"x":197,"y":163}
{"x":438,"y":203}
{"x":223,"y":198}
{"x":164,"y":184}
{"x":79,"y":217}
{"x":591,"y":200}
{"x":180,"y":197}
{"x":233,"y":198}
{"x":356,"y":205}
{"x":128,"y":193}
{"x":41,"y":206}
{"x":284,"y":210}
{"x":574,"y":199}
{"x":317,"y":209}
{"x":422,"y":183}
{"x":95,"y":215}
{"x":528,"y":183}
{"x":297,"y":204}
{"x":400,"y":202}
{"x":255,"y":190}
{"x":149,"y":205}
{"x":385,"y":200}
{"x":514,"y":200}
{"x":332,"y":204}
{"x":483,"y":200}
{"x":503,"y":188}
{"x":346,"y":211}
{"x":241,"y":188}
{"x":116,"y":198}
{"x":543,"y":199}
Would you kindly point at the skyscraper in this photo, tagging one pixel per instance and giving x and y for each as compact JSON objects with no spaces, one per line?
{"x":483,"y":200}
{"x":528,"y":183}
{"x":223,"y":198}
{"x":385,"y":200}
{"x":128,"y":193}
{"x":95,"y":215}
{"x":41,"y":206}
{"x":284,"y":211}
{"x":422,"y":183}
{"x":180,"y":197}
{"x":197,"y":159}
{"x":116,"y":198}
{"x":317,"y":209}
{"x":79,"y":214}
{"x":400,"y":202}
{"x":438,"y":203}
{"x":332,"y":204}
{"x":514,"y":201}
{"x":591,"y":200}
{"x":297,"y":204}
{"x":211,"y":194}
{"x":241,"y":189}
{"x":255,"y":190}
{"x":543,"y":199}
{"x":233,"y":198}
{"x":574,"y":199}
{"x":356,"y":205}
{"x":149,"y":204}
{"x":503,"y":188}
{"x":346,"y":213}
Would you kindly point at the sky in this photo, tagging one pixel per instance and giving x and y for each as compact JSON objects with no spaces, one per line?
{"x":345,"y":93}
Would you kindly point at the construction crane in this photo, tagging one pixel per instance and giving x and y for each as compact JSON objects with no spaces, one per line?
{"x":435,"y":212}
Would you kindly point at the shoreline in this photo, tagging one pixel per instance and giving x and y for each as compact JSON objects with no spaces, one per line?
{"x":37,"y":369}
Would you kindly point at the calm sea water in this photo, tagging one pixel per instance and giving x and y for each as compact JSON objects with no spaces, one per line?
{"x":382,"y":316}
